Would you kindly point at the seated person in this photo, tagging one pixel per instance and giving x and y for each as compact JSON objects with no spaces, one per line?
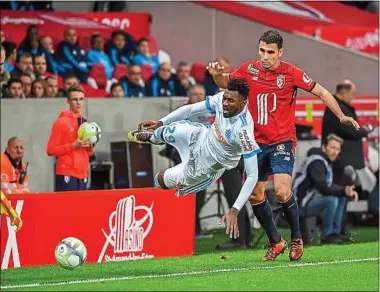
{"x":132,"y":83}
{"x":97,"y":56}
{"x":162,"y":83}
{"x":115,"y":49}
{"x":316,"y":192}
{"x":117,"y":90}
{"x":183,"y":79}
{"x":143,"y":56}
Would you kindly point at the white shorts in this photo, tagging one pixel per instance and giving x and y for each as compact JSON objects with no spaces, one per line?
{"x":194,"y":173}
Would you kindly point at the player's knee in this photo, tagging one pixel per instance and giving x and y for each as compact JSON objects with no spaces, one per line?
{"x":282,"y":190}
{"x":159,"y":180}
{"x":257,"y":195}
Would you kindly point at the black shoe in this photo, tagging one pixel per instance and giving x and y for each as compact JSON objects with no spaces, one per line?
{"x":331,"y":239}
{"x":346,"y":237}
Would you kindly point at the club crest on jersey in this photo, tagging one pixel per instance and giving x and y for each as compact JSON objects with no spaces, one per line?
{"x":306,"y":78}
{"x":280,"y":81}
{"x":252,"y":70}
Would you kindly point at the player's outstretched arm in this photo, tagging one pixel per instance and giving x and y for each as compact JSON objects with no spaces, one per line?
{"x":331,"y":103}
{"x":230,"y":218}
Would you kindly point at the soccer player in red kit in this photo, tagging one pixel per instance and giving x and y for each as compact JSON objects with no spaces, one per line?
{"x":273,"y":87}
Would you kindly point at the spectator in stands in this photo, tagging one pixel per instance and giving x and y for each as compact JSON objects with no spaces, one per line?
{"x":345,"y":93}
{"x":97,"y":56}
{"x":316,"y":193}
{"x":162,"y":83}
{"x":209,"y":84}
{"x":47,"y":42}
{"x":2,"y":36}
{"x":68,"y":81}
{"x":24,"y":65}
{"x":38,"y":89}
{"x":27,"y":5}
{"x":10,"y":55}
{"x":14,"y":173}
{"x":52,"y":87}
{"x":26,"y":81}
{"x":71,"y":57}
{"x":33,"y":45}
{"x":117,"y":90}
{"x":14,"y":89}
{"x":39,"y":64}
{"x":143,"y":56}
{"x":183,"y":79}
{"x":115,"y":49}
{"x":72,"y":153}
{"x":133,"y":85}
{"x":4,"y":74}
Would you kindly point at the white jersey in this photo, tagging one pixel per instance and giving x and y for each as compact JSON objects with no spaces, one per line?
{"x":229,"y":138}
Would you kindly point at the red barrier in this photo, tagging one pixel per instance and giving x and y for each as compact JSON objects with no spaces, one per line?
{"x":116,"y":225}
{"x":137,"y":24}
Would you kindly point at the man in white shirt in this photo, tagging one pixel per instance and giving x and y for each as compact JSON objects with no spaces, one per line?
{"x":207,"y":151}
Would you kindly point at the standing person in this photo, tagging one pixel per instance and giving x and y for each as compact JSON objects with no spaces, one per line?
{"x":273,"y":85}
{"x":73,"y":154}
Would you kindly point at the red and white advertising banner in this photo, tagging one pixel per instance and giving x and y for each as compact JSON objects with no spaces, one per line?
{"x":114,"y":225}
{"x":309,"y":111}
{"x":137,"y":24}
{"x":364,"y":39}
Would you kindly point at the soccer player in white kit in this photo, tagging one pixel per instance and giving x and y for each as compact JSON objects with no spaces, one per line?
{"x":207,"y":151}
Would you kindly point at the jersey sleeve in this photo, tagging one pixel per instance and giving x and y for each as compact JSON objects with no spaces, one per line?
{"x":302,"y":80}
{"x":247,"y":141}
{"x":214,"y":101}
{"x":240,"y":73}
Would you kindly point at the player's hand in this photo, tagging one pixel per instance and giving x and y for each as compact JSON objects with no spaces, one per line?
{"x":81,"y":143}
{"x":150,"y":125}
{"x":214,"y":68}
{"x":350,"y":121}
{"x":91,"y":148}
{"x":230,"y":218}
{"x":16,"y":221}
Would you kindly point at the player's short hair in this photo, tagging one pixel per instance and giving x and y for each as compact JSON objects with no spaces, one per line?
{"x":141,"y":40}
{"x":239,"y":85}
{"x":343,"y":87}
{"x":331,"y":137}
{"x":272,"y":37}
{"x":50,"y":77}
{"x":12,"y":139}
{"x":182,"y":64}
{"x":24,"y":56}
{"x":69,"y":76}
{"x":74,"y":88}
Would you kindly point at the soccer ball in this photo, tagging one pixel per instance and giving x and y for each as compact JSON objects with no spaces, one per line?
{"x":91,"y":131}
{"x":70,"y":253}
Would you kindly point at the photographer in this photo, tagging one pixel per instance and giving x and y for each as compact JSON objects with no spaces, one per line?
{"x":316,"y":192}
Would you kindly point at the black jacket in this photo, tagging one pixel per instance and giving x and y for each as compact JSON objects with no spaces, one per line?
{"x":352,"y":150}
{"x":317,"y":178}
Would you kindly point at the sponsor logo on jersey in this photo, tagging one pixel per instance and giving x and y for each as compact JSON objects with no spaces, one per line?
{"x":246,"y":143}
{"x":252,"y":70}
{"x":219,"y":134}
{"x":280,"y":81}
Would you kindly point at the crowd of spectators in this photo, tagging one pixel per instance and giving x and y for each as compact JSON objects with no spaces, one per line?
{"x":121,"y":67}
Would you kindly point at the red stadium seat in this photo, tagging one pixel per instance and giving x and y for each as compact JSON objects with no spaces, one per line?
{"x":92,"y":92}
{"x":98,"y":72}
{"x":146,"y":72}
{"x":120,"y":71}
{"x":198,"y":71}
{"x":60,"y":81}
{"x":153,"y":45}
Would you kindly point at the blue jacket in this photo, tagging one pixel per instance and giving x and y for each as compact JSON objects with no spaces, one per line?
{"x":100,"y":57}
{"x":130,"y":89}
{"x":71,"y":56}
{"x":8,"y":66}
{"x":140,"y":59}
{"x":158,"y":87}
{"x":116,"y":56}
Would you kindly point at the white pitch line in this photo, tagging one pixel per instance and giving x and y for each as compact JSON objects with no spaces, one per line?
{"x":205,"y":272}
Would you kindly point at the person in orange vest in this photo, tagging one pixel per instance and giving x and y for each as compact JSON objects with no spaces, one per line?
{"x":7,"y":210}
{"x":73,"y":154}
{"x":14,"y":177}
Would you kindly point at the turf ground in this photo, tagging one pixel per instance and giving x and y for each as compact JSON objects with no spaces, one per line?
{"x":351,"y":267}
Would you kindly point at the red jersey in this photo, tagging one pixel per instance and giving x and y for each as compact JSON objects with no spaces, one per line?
{"x":271,"y":98}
